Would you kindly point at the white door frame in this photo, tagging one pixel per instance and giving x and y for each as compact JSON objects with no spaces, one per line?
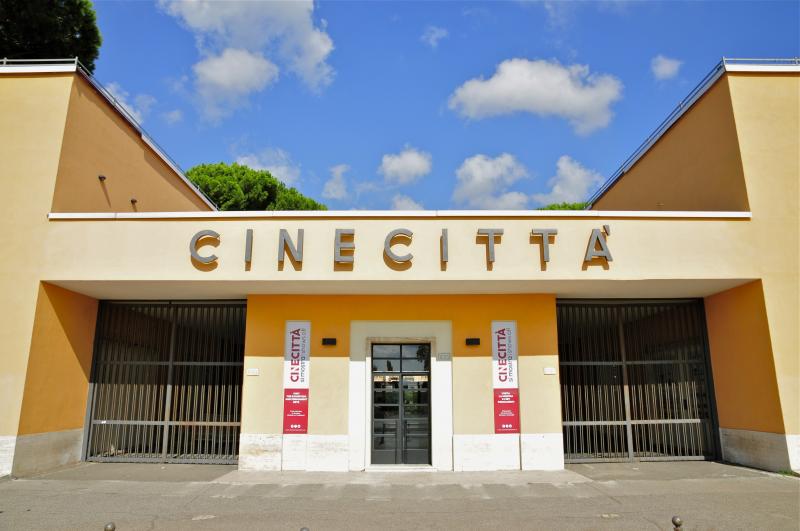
{"x":362,"y":335}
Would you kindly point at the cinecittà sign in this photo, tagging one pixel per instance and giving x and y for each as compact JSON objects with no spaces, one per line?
{"x":344,"y":245}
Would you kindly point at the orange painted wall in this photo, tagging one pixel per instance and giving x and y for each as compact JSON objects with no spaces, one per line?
{"x":741,"y":358}
{"x":330,"y":316}
{"x":60,"y":361}
{"x":98,"y":141}
{"x":695,"y":165}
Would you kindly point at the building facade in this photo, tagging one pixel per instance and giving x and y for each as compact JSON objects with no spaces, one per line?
{"x":140,"y":324}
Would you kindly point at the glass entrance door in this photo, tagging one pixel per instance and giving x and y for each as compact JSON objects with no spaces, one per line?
{"x":401,"y":403}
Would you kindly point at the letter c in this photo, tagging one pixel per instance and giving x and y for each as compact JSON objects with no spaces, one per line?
{"x":387,"y":245}
{"x":196,"y":239}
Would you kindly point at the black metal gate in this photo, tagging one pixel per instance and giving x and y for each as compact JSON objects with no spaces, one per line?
{"x":166,"y":382}
{"x":635,"y":381}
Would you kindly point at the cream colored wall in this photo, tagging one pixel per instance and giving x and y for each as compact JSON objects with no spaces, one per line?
{"x":327,"y":402}
{"x":540,"y":394}
{"x":767,"y":111}
{"x":262,"y":395}
{"x":473,"y":395}
{"x":99,"y":141}
{"x":643,"y":249}
{"x":33,"y":112}
{"x":695,"y":165}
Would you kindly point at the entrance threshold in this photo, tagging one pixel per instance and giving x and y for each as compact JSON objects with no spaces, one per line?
{"x":400,"y":468}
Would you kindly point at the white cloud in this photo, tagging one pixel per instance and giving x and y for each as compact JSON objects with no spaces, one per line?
{"x":336,"y":186}
{"x":143,"y":103}
{"x":286,"y":29}
{"x":432,"y":35}
{"x":475,"y":12}
{"x":664,"y":67}
{"x":139,"y":108}
{"x":543,"y":88}
{"x":276,"y":161}
{"x":224,"y":81}
{"x":559,"y":13}
{"x":405,"y":167}
{"x":484,"y":182}
{"x":368,"y":187}
{"x":403,"y":202}
{"x":571,"y":183}
{"x":173,"y":117}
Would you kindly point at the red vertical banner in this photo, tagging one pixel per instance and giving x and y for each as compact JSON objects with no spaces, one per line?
{"x":506,"y":410}
{"x":296,"y":373}
{"x":295,"y":411}
{"x":504,"y":377}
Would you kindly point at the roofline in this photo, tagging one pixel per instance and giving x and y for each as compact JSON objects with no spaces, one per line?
{"x":789,"y":65}
{"x":49,"y":66}
{"x":727,"y":64}
{"x":397,"y":214}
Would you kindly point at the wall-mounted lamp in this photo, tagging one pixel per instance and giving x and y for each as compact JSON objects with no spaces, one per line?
{"x":328,"y":341}
{"x":473,"y":341}
{"x":134,"y":200}
{"x":102,"y":178}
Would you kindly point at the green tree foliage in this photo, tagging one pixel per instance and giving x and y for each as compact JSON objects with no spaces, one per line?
{"x":49,"y":29}
{"x":565,"y":206}
{"x":238,"y":187}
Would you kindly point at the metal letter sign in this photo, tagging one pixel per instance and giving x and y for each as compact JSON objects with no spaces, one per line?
{"x":194,"y":243}
{"x":504,"y":377}
{"x":387,"y":245}
{"x":344,"y":246}
{"x":296,"y":373}
{"x":598,"y":237}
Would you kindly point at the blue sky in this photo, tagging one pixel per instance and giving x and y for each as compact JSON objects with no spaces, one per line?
{"x":438,"y":105}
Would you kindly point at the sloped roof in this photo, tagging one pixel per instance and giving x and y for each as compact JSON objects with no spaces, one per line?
{"x":47,"y":66}
{"x":785,"y":65}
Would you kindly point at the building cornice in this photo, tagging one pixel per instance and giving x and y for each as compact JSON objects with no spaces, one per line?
{"x":397,"y":214}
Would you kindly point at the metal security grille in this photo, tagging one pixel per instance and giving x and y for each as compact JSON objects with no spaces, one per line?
{"x":635,"y":381}
{"x":166,"y":382}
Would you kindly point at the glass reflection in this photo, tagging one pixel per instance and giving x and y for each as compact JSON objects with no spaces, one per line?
{"x":415,"y":397}
{"x":419,"y":352}
{"x":416,"y":365}
{"x":385,"y":397}
{"x":385,"y":351}
{"x":387,"y":412}
{"x":417,"y":443}
{"x":385,"y":365}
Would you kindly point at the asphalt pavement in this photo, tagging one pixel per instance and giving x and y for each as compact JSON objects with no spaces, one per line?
{"x":705,"y":495}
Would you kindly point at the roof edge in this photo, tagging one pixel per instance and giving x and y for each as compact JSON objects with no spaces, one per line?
{"x":397,"y":214}
{"x":47,"y":66}
{"x":727,"y":64}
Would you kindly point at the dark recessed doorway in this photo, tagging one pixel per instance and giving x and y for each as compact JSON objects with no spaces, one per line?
{"x":401,"y":403}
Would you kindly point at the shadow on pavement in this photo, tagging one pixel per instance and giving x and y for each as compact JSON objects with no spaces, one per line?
{"x":661,"y":471}
{"x":138,"y":472}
